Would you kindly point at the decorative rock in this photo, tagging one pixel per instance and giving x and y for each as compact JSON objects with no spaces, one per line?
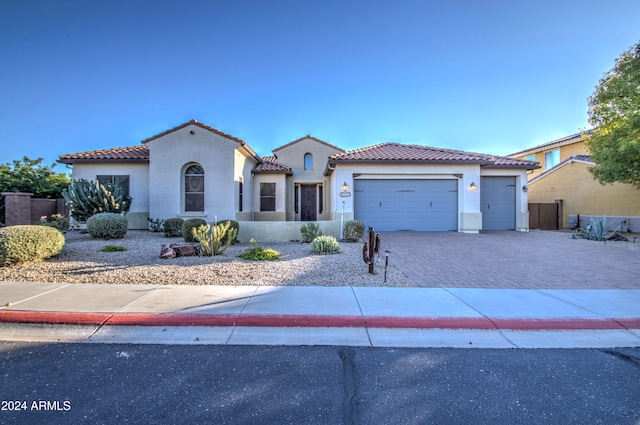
{"x":179,"y":250}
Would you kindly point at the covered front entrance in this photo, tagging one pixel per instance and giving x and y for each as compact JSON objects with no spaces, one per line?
{"x":396,"y":205}
{"x":308,"y":204}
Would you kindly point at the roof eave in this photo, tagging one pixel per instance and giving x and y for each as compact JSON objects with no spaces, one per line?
{"x":86,"y":161}
{"x":406,"y":161}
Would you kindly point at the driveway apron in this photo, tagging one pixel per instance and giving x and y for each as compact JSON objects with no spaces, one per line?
{"x":509,"y":259}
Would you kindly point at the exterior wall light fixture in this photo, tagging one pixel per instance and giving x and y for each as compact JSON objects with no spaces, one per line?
{"x":345,"y":187}
{"x":525,"y":188}
{"x":472,"y":186}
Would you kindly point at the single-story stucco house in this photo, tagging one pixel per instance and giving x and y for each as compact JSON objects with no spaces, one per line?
{"x":196,"y":171}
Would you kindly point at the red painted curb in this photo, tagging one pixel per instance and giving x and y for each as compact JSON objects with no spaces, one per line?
{"x":271,"y":320}
{"x":430,"y":322}
{"x":171,"y":319}
{"x":53,"y":317}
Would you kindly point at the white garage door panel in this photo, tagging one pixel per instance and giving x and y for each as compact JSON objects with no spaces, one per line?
{"x":395,"y":205}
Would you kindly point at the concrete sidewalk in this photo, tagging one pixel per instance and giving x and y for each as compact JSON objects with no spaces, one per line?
{"x":356,"y":316}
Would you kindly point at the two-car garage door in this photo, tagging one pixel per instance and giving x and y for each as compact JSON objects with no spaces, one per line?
{"x":396,"y":205}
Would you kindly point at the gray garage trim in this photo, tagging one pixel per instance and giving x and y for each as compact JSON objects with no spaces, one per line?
{"x":498,"y":203}
{"x":397,"y":205}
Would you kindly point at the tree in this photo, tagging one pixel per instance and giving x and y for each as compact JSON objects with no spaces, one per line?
{"x":614,"y":113}
{"x":29,"y":175}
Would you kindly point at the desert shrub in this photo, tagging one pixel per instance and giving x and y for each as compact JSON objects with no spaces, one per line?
{"x":212,"y":239}
{"x":310,"y":232}
{"x":323,"y":244}
{"x":113,"y":248}
{"x":353,"y":230}
{"x":59,"y":221}
{"x":259,"y":253}
{"x":21,"y":244}
{"x":173,"y":227}
{"x":234,"y":225}
{"x":155,"y":225}
{"x":107,"y":225}
{"x":87,"y":198}
{"x":596,"y":230}
{"x":192,"y":223}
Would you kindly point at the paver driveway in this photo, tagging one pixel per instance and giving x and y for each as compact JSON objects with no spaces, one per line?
{"x":509,"y":259}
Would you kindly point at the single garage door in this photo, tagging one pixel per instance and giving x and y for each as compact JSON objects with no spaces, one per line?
{"x":396,"y":205}
{"x":498,"y":203}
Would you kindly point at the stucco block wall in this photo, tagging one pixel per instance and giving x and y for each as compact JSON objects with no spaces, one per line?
{"x":281,"y":231}
{"x":583,"y":195}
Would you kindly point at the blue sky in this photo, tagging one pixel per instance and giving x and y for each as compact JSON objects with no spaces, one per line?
{"x":485,"y":76}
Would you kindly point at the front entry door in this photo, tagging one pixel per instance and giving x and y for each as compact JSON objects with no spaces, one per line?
{"x":308,"y":207}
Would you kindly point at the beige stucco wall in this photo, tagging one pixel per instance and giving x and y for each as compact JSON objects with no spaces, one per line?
{"x":223,"y":165}
{"x":281,"y":231}
{"x":583,"y":195}
{"x":138,"y":186}
{"x":279,"y":213}
{"x":293,"y":156}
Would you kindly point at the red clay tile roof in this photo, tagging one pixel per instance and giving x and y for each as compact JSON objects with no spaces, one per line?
{"x":418,"y":154}
{"x":126,"y":154}
{"x":307,"y":137}
{"x":270,"y":165}
{"x":506,"y":162}
{"x":396,"y":152}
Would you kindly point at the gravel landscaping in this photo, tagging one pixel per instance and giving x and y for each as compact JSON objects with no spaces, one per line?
{"x":81,"y":261}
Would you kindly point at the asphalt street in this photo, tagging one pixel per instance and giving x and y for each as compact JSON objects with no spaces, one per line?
{"x":58,"y":383}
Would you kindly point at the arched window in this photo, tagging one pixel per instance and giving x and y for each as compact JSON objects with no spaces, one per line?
{"x":194,"y":188}
{"x":308,"y":161}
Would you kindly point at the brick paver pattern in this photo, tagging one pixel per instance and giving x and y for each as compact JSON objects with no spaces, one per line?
{"x":509,"y":259}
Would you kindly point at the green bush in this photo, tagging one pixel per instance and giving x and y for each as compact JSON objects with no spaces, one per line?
{"x":259,"y":253}
{"x":353,"y":230}
{"x":323,"y":244}
{"x":113,"y":248}
{"x":87,"y":198}
{"x":107,"y":225}
{"x":20,"y":244}
{"x":192,"y":223}
{"x":173,"y":227}
{"x":234,"y":225}
{"x":310,"y":232}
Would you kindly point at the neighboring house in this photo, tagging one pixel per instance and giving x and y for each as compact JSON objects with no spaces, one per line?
{"x":570,"y":181}
{"x":548,"y":155}
{"x":197,"y":171}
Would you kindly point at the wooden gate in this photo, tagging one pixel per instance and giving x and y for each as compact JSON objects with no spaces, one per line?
{"x":543,"y":216}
